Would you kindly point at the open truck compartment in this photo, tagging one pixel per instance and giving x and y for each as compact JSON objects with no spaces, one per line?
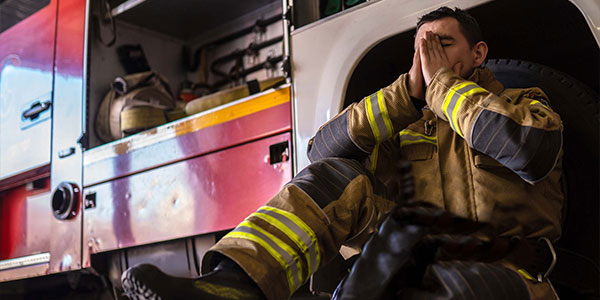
{"x":194,"y":174}
{"x":198,"y":47}
{"x":241,"y":135}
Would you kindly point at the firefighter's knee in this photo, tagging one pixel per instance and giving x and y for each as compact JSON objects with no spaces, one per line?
{"x":325,"y":180}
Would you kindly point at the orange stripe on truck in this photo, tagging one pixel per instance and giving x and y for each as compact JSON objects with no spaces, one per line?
{"x":233,"y":110}
{"x":218,"y":115}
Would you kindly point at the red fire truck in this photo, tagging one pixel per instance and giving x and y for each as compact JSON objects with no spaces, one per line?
{"x":77,"y":210}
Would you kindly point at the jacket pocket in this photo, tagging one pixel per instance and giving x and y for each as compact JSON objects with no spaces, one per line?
{"x":422,"y":151}
{"x":415,"y":145}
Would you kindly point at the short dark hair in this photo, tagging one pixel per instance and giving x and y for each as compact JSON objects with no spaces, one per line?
{"x":468,"y":25}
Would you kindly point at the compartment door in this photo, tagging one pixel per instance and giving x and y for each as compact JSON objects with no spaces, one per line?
{"x":27,"y":40}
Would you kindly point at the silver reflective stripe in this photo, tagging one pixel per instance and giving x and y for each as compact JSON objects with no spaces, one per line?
{"x":286,"y":256}
{"x":378,"y":115}
{"x":408,"y":137}
{"x":454,"y":101}
{"x":309,"y":244}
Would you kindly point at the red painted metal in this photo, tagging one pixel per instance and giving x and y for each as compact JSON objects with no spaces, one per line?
{"x":24,"y":221}
{"x":27,"y":224}
{"x":24,"y":178}
{"x":70,"y":39}
{"x":264,"y":123}
{"x":203,"y":181}
{"x":199,"y":195}
{"x":67,"y":123}
{"x":27,"y":56}
{"x":32,"y":39}
{"x":28,"y":48}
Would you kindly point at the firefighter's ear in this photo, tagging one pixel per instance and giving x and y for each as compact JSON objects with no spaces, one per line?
{"x":479,"y":53}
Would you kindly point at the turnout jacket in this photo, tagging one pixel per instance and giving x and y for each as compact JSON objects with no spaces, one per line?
{"x":477,"y":149}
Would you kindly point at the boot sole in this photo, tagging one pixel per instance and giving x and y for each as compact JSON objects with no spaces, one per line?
{"x":136,"y":290}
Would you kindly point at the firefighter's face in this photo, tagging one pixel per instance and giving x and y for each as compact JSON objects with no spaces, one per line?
{"x":455,"y":44}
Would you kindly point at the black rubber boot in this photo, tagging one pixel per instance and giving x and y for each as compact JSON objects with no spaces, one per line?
{"x":226,"y":281}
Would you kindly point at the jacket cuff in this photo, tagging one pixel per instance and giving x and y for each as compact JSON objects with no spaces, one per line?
{"x":403,"y":110}
{"x":440,"y":84}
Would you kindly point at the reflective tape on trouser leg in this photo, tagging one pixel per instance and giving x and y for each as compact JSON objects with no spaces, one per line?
{"x":284,"y":254}
{"x":285,"y":241}
{"x":292,"y":226}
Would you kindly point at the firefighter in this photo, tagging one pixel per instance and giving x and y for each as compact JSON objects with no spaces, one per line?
{"x":477,"y":150}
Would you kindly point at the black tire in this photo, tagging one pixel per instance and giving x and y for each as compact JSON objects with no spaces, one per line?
{"x":578,"y":107}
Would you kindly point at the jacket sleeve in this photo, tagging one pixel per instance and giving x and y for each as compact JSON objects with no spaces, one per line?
{"x":523,"y":133}
{"x":356,"y":132}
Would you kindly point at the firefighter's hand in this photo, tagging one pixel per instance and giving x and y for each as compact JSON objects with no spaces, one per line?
{"x":433,"y":56}
{"x":415,"y":78}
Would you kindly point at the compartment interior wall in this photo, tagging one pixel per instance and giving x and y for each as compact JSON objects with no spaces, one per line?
{"x":272,"y":31}
{"x":161,"y":51}
{"x":164,"y":51}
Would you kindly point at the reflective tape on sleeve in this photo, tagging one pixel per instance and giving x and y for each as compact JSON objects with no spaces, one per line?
{"x":378,"y":116}
{"x":334,"y":140}
{"x":385,"y":114}
{"x":530,"y":152}
{"x":454,"y":101}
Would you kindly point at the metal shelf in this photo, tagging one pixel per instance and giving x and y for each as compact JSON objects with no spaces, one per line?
{"x":184,"y":19}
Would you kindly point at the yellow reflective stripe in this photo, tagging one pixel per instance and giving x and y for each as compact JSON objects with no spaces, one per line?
{"x":384,"y":113}
{"x":525,"y":274}
{"x":279,"y":243}
{"x":534,"y":102}
{"x":416,"y":134}
{"x":374,"y":156}
{"x":404,"y":143}
{"x":302,"y":226}
{"x":289,"y":233}
{"x":459,"y":103}
{"x":449,"y":97}
{"x":371,"y":119}
{"x":273,"y":252}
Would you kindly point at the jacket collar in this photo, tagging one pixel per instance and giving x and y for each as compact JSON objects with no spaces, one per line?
{"x":485,"y":78}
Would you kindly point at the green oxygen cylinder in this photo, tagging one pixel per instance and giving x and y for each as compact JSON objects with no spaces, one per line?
{"x":330,"y":7}
{"x":350,"y":3}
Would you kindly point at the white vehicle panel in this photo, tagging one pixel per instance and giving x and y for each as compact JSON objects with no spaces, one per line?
{"x":326,"y":53}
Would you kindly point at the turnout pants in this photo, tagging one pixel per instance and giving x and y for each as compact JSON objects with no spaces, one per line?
{"x":332,"y":202}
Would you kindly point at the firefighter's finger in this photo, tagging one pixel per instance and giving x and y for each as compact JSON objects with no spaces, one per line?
{"x":417,"y":58}
{"x":423,"y":51}
{"x":429,"y":40}
{"x":438,"y":47}
{"x":415,"y":76}
{"x":416,"y":65}
{"x":423,"y":47}
{"x":432,"y":39}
